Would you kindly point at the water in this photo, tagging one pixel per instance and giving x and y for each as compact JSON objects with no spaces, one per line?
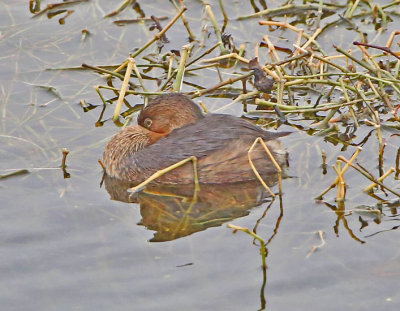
{"x":64,"y":245}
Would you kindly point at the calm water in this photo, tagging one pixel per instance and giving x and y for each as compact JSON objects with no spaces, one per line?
{"x":65,"y":245}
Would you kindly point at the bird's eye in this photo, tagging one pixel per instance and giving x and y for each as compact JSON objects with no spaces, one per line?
{"x":147,"y":122}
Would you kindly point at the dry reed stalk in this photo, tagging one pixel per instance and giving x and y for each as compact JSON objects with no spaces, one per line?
{"x":278,"y":168}
{"x":122,"y":7}
{"x":312,"y":38}
{"x":131,"y":92}
{"x":240,"y":98}
{"x":124,"y":87}
{"x":16,"y":173}
{"x":242,"y":50}
{"x":272,"y":49}
{"x":346,"y":96}
{"x":201,"y":104}
{"x":271,"y":73}
{"x":97,"y":89}
{"x":189,"y":64}
{"x":170,"y":64}
{"x":156,"y":37}
{"x":327,"y":61}
{"x":137,"y":72}
{"x":102,"y":70}
{"x":360,"y":62}
{"x":391,"y":37}
{"x":338,"y":56}
{"x":168,"y":169}
{"x":323,"y":155}
{"x":382,"y":178}
{"x":255,"y":236}
{"x":397,"y":162}
{"x":64,"y":158}
{"x":373,"y":179}
{"x":290,"y":59}
{"x":321,"y":70}
{"x":230,"y":55}
{"x":350,"y":12}
{"x":221,"y":5}
{"x":219,"y":85}
{"x":208,"y":51}
{"x":302,"y":109}
{"x":177,"y":85}
{"x":53,"y":6}
{"x":320,"y":12}
{"x":282,"y":10}
{"x":184,"y":20}
{"x":348,"y":163}
{"x":341,"y":184}
{"x":298,"y":30}
{"x":257,"y":50}
{"x":216,"y":27}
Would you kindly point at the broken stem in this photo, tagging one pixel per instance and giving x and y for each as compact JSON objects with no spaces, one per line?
{"x":124,"y":87}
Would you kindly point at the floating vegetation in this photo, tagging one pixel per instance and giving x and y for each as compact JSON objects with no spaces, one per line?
{"x":291,"y":73}
{"x":357,"y":86}
{"x":16,"y":173}
{"x":328,"y":71}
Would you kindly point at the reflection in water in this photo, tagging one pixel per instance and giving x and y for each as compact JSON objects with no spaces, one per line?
{"x":366,"y":215}
{"x":340,"y":211}
{"x":256,"y":9}
{"x":175,"y":211}
{"x":263,"y":245}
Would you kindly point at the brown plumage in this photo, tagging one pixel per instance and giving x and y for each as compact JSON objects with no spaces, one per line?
{"x":172,"y":128}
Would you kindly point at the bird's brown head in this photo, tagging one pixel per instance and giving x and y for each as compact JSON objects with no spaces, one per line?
{"x":168,"y":112}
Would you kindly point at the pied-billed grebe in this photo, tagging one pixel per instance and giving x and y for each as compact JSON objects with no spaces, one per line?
{"x":172,"y":128}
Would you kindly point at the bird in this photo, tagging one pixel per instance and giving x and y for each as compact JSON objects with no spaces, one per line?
{"x":172,"y":128}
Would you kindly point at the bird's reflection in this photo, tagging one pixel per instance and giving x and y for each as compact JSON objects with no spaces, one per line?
{"x":175,"y":211}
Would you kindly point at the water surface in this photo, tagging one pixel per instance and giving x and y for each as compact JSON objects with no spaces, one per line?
{"x":65,"y":245}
